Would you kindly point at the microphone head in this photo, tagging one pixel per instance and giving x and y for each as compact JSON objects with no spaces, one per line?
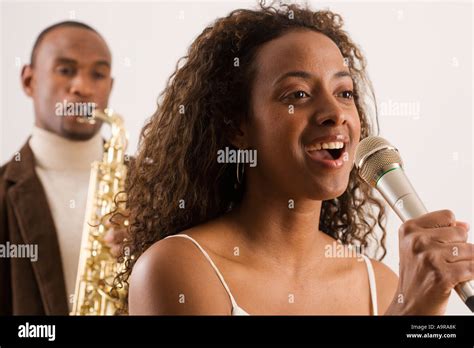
{"x":374,"y":156}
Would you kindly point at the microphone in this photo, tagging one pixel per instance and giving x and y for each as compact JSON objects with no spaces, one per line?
{"x":379,"y":164}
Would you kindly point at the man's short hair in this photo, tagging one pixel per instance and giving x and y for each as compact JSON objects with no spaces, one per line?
{"x":73,"y":24}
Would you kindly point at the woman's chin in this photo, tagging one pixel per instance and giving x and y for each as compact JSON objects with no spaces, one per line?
{"x":327,"y":192}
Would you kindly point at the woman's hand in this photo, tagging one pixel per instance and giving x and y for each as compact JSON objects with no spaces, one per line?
{"x":434,"y":258}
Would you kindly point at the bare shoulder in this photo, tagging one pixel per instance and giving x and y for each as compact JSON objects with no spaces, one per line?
{"x":386,"y":282}
{"x":173,"y":277}
{"x":350,"y":263}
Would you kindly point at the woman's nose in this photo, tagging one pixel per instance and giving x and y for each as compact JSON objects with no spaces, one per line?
{"x":328,"y":110}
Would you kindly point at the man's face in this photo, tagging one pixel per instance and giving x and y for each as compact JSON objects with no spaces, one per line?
{"x":72,"y":65}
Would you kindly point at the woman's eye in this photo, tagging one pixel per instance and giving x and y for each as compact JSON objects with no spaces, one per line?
{"x":298,"y":95}
{"x":347,"y":94}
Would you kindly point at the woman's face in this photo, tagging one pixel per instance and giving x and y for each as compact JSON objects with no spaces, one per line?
{"x":301,"y":93}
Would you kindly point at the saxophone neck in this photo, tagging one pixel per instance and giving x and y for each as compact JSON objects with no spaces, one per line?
{"x":116,"y":144}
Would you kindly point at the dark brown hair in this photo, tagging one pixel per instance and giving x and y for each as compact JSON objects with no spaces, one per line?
{"x":205,"y":98}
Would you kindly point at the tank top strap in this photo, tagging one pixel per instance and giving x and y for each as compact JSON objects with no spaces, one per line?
{"x":372,"y":285}
{"x":206,"y":255}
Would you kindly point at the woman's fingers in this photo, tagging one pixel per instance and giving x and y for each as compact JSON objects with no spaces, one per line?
{"x":463,"y":224}
{"x":434,"y":257}
{"x":457,"y":252}
{"x":460,"y":272}
{"x":440,"y":218}
{"x":453,"y":234}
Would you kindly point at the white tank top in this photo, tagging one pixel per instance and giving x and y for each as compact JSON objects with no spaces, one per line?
{"x":236,"y":310}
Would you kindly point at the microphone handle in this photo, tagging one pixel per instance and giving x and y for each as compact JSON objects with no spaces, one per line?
{"x":401,"y":196}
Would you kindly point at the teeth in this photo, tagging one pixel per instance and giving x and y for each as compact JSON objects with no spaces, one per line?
{"x":331,"y":145}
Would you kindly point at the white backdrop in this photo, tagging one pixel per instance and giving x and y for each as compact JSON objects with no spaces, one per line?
{"x":420,"y":58}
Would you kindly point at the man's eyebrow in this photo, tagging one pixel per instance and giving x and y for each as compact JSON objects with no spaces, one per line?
{"x":298,"y":73}
{"x":65,"y":60}
{"x":102,"y":62}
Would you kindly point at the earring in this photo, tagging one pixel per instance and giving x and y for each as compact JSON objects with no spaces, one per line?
{"x":238,"y":168}
{"x":238,"y":172}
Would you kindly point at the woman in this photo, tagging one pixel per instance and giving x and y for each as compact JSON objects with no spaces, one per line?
{"x":287,"y":85}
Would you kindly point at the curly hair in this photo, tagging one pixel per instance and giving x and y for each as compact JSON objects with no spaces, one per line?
{"x":198,"y":112}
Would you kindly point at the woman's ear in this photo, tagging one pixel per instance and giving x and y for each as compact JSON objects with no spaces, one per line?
{"x":239,"y":136}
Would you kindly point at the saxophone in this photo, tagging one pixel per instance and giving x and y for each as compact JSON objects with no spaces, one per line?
{"x":97,"y":267}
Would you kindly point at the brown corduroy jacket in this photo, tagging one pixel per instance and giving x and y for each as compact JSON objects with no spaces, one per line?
{"x":27,"y":287}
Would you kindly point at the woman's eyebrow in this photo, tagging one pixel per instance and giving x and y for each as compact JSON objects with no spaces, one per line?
{"x":306,"y":75}
{"x":342,"y":73}
{"x":298,"y":73}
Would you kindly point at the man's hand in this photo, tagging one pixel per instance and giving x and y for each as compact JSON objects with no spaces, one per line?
{"x":117,"y":232}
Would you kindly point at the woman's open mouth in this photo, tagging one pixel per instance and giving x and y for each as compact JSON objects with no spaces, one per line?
{"x":329,"y":154}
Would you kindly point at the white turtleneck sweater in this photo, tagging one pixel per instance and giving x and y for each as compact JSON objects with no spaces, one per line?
{"x":63,"y":167}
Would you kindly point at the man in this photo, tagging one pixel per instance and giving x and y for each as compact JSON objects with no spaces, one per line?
{"x":43,"y":189}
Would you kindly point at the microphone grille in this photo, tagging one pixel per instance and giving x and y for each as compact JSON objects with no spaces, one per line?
{"x":372,"y":155}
